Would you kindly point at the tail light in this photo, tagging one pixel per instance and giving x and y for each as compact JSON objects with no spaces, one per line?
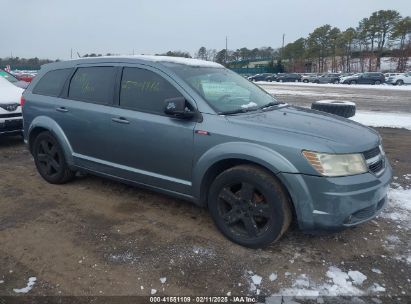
{"x":22,"y":101}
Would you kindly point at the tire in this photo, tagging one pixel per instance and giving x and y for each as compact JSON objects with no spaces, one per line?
{"x":49,"y":159}
{"x":341,"y":108}
{"x":249,"y":206}
{"x":305,"y":80}
{"x":377,"y":82}
{"x":399,"y":82}
{"x":336,"y":81}
{"x":352,"y":82}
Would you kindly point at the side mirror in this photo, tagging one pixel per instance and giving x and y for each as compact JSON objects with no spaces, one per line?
{"x":177,"y":107}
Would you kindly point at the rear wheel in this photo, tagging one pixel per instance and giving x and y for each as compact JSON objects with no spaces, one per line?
{"x":305,"y":80}
{"x":249,"y":206}
{"x":377,"y":82}
{"x":49,"y":159}
{"x":352,"y":82}
{"x":399,"y":82}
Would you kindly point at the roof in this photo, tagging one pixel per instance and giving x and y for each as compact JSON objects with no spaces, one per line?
{"x":151,"y":58}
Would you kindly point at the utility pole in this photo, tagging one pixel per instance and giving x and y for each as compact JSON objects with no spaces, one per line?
{"x":226,"y":48}
{"x":71,"y":53}
{"x":282,"y":48}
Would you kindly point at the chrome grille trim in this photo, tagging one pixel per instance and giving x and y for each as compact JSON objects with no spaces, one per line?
{"x":375,"y":160}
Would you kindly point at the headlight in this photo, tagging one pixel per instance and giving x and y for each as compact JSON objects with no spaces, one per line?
{"x":336,"y":164}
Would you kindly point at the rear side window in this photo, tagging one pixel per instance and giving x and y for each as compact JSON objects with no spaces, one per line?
{"x":145,"y":91}
{"x":51,"y":84}
{"x":93,"y":84}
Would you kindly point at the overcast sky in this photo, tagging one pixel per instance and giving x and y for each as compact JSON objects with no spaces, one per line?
{"x":50,"y":28}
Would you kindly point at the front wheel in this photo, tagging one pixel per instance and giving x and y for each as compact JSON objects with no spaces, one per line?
{"x":352,"y":82}
{"x":399,"y":82}
{"x":249,"y":206}
{"x":49,"y":159}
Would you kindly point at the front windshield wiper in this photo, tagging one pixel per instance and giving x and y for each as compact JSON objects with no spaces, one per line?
{"x":270,"y":104}
{"x":237,"y":111}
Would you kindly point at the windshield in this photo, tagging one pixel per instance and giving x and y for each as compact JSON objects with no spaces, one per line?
{"x":225,"y":91}
{"x":8,"y":76}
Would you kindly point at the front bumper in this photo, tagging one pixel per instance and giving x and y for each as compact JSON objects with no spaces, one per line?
{"x":336,"y":203}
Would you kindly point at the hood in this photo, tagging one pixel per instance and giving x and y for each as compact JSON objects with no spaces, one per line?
{"x":9,"y":93}
{"x":340,"y":134}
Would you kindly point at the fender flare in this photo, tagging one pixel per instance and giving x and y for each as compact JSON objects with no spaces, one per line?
{"x":261,"y":155}
{"x":52,"y":126}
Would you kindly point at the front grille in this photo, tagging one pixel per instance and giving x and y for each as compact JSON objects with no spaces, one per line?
{"x":372,"y":153}
{"x":375,"y":160}
{"x":376,"y":167}
{"x":10,"y":115}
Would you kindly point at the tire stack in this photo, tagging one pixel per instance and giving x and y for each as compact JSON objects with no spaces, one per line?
{"x":337,"y":107}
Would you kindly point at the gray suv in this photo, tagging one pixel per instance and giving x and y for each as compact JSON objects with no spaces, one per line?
{"x":195,"y":130}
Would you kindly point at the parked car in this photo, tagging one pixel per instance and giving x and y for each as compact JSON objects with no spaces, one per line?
{"x":327,"y":78}
{"x":387,"y":75}
{"x":365,"y":78}
{"x":18,"y":83}
{"x":271,"y":78}
{"x":259,"y":77}
{"x":25,"y":77}
{"x":400,"y":79}
{"x":10,"y":110}
{"x":308,"y":77}
{"x":196,"y":130}
{"x":289,"y":77}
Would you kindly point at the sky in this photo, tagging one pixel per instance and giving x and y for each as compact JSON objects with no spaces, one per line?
{"x":52,"y":28}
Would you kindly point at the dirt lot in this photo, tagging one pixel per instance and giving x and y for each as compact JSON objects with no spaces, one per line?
{"x":98,"y":237}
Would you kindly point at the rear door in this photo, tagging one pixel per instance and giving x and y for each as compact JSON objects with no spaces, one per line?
{"x":84,"y":112}
{"x":146,"y":145}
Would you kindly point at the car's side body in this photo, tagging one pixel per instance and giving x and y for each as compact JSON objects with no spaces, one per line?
{"x":182,"y":157}
{"x":326,"y":78}
{"x":400,"y":79}
{"x":289,"y":77}
{"x":365,"y":78}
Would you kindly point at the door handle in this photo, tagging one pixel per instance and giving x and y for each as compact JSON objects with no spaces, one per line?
{"x":62,"y":109}
{"x":120,"y":120}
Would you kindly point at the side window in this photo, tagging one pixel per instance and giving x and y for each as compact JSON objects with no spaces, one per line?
{"x":145,"y":91}
{"x":52,"y":83}
{"x":93,"y":84}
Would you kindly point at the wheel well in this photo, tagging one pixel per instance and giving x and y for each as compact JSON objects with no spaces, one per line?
{"x":32,"y":137}
{"x":225,"y":164}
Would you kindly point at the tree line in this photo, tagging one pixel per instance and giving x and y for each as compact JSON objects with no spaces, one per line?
{"x":383,"y":34}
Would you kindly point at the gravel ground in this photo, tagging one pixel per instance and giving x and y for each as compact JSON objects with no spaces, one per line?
{"x":390,"y":100}
{"x":98,"y":237}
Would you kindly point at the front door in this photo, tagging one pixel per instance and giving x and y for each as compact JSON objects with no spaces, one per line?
{"x":148,"y":146}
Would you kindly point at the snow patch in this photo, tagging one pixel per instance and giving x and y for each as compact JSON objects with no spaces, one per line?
{"x":163,"y":280}
{"x":249,"y":105}
{"x":387,"y":120}
{"x":153,"y":291}
{"x":256,"y":279}
{"x":399,"y":207}
{"x":30,"y":284}
{"x":376,"y":270}
{"x":357,"y":277}
{"x":272,"y":277}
